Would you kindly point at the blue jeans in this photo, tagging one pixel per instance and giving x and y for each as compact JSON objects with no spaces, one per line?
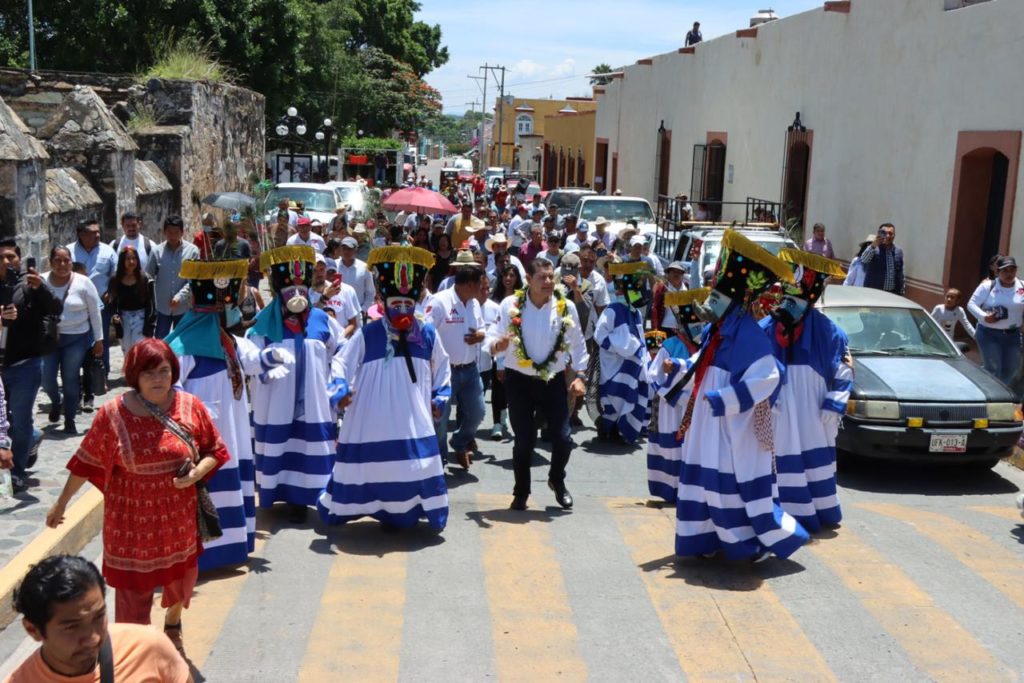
{"x":107,"y":314}
{"x":165,"y":323}
{"x":468,"y":390}
{"x":21,"y":384}
{"x":1000,"y":352}
{"x":68,"y":358}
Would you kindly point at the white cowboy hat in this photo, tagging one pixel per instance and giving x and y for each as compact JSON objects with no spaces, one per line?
{"x":601,"y":222}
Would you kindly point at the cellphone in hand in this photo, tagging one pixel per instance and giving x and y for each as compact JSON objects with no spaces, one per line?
{"x":30,"y":263}
{"x":337,"y":279}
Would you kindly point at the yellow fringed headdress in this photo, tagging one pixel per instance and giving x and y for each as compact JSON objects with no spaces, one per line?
{"x":214,"y":270}
{"x":399,"y":271}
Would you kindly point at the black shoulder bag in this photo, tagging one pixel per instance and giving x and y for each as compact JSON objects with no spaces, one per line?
{"x":106,"y":661}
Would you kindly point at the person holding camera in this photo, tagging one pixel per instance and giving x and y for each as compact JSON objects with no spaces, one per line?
{"x":35,"y":310}
{"x":998,"y":304}
{"x":883,"y":262}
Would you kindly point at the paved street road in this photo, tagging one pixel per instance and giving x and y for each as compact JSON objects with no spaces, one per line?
{"x":924,"y":581}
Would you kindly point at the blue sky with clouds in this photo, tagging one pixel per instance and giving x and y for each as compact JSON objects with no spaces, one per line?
{"x":548,"y":47}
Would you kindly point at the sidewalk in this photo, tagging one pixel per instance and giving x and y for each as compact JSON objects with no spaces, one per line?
{"x":22,"y":519}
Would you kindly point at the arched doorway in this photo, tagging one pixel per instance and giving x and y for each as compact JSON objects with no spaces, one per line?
{"x":981,"y":206}
{"x":797,"y":178}
{"x":981,"y":202}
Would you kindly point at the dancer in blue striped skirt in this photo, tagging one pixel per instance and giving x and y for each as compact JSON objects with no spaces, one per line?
{"x":726,"y":501}
{"x":213,"y":366}
{"x":815,"y":389}
{"x":388,"y":463}
{"x":294,"y":417}
{"x":624,"y":391}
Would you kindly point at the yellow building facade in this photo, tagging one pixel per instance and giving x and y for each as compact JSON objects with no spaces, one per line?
{"x":567,"y":158}
{"x":518,"y":138}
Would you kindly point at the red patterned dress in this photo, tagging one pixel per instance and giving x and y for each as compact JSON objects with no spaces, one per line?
{"x":150,"y":537}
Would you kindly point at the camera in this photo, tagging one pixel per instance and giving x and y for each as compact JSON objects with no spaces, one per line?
{"x":1000,"y":312}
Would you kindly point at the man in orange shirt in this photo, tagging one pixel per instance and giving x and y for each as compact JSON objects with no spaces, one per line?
{"x":62,"y":605}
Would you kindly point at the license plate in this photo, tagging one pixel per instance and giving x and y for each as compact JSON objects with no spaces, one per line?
{"x":948,"y":443}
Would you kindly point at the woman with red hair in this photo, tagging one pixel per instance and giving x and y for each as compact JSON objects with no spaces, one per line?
{"x":147,"y":474}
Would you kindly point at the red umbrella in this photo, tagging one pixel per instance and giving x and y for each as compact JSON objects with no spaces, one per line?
{"x":419,"y":199}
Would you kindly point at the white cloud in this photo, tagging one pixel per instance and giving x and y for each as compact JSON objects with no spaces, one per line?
{"x":527,"y":68}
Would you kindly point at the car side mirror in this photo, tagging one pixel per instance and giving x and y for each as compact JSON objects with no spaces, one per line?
{"x":962,"y":345}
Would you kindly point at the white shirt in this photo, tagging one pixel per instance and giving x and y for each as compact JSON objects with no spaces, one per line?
{"x":516,"y":230}
{"x":990,"y":294}
{"x":139,"y":244}
{"x":491,"y":310}
{"x":315,"y":241}
{"x":359,"y":277}
{"x":345,"y":305}
{"x":82,"y":307}
{"x":947,"y":319}
{"x":601,"y":299}
{"x":669,"y":320}
{"x":453,"y":321}
{"x":540,"y":329}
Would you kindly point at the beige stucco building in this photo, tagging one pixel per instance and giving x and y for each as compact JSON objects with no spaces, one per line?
{"x":911,"y":111}
{"x":568,"y":151}
{"x":518,"y":137}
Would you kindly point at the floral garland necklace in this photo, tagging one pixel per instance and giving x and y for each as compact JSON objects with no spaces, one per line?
{"x":523,"y":359}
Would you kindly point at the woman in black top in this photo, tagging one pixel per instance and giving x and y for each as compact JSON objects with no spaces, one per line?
{"x":132,"y":298}
{"x":443,"y":257}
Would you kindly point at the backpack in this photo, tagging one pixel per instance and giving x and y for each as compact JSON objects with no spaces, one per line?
{"x":147,"y":245}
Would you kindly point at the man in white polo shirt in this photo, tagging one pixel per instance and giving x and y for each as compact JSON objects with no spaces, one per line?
{"x":355,"y":274}
{"x":304,"y":236}
{"x":458,"y":318}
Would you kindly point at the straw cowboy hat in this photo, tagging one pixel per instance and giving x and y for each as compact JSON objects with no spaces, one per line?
{"x":497,"y":239}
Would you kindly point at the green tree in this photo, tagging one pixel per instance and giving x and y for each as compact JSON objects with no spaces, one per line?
{"x":601,"y":80}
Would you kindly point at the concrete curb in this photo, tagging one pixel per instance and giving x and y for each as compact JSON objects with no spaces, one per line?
{"x":82,"y":521}
{"x":1016,"y":458}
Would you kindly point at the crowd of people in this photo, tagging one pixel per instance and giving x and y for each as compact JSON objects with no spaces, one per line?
{"x":738,"y":388}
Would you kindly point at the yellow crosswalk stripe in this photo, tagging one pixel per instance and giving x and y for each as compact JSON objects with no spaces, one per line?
{"x":535,"y":638}
{"x":935,"y":643}
{"x":1004,"y":511}
{"x":723,"y":622}
{"x":1000,"y":567}
{"x":357,"y":635}
{"x":214,"y":597}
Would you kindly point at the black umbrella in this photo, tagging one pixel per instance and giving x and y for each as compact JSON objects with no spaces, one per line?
{"x":229,"y":201}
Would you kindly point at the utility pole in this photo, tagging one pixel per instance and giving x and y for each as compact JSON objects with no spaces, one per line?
{"x":501,"y":103}
{"x":483,"y":109}
{"x":31,"y":39}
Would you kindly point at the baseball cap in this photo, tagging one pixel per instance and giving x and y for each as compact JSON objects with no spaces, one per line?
{"x":350,"y":242}
{"x":1006,"y":262}
{"x":582,"y":226}
{"x":636,"y":239}
{"x":676,"y":265}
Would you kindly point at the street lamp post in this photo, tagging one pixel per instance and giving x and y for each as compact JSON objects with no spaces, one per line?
{"x":290,"y":126}
{"x":324,"y":133}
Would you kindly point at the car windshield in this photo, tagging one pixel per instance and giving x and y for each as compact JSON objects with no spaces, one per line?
{"x":348,"y":194}
{"x":564,"y":200}
{"x":313,"y":199}
{"x":618,"y":210}
{"x":891,"y":331}
{"x":712,"y":248}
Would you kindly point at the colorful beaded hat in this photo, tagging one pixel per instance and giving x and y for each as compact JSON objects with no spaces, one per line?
{"x":399,"y":271}
{"x":214,"y":284}
{"x":288,"y":266}
{"x":811,"y":273}
{"x":682,"y":304}
{"x":744,"y":269}
{"x":654,"y":339}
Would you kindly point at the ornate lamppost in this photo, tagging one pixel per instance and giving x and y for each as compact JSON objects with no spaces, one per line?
{"x":323,"y":134}
{"x":289,"y":127}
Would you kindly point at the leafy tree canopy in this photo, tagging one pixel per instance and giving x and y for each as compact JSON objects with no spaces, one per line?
{"x":358,"y":62}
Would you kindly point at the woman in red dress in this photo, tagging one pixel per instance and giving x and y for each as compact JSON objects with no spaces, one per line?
{"x":150,"y":532}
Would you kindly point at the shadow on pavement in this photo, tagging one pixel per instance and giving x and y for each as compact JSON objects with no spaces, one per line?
{"x":506,"y":464}
{"x":721,"y":574}
{"x":456,"y":476}
{"x":921,"y":478}
{"x":1018,"y":533}
{"x":369,"y":537}
{"x":485,"y":519}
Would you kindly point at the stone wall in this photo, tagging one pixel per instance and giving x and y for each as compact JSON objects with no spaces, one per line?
{"x":70,"y":199}
{"x":153,"y":198}
{"x":209,"y":137}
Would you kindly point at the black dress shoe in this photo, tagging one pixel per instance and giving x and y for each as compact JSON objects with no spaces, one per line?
{"x":54,"y":415}
{"x":562,"y":495}
{"x":518,"y":503}
{"x":69,"y":427}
